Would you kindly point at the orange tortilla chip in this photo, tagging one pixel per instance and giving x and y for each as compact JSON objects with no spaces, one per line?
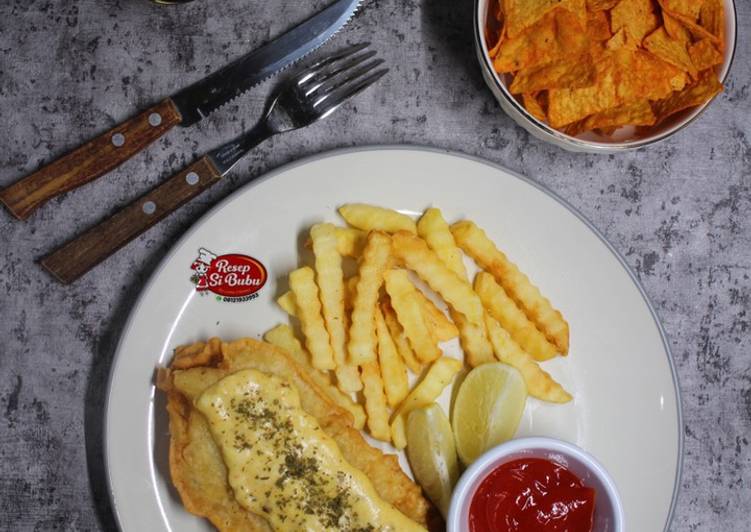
{"x":687,"y":8}
{"x":566,"y":74}
{"x":598,"y":27}
{"x":493,"y":25}
{"x":675,"y":29}
{"x":574,"y":128}
{"x":636,"y":15}
{"x":697,"y":31}
{"x":541,"y":43}
{"x":578,"y":8}
{"x":569,"y":105}
{"x":636,"y":113}
{"x":704,"y":55}
{"x":534,"y":106}
{"x":599,"y":65}
{"x":702,"y":91}
{"x":521,"y":14}
{"x":669,"y":50}
{"x":494,"y":50}
{"x":712,"y":19}
{"x":601,"y":5}
{"x":622,"y":39}
{"x":623,"y":75}
{"x":642,"y":75}
{"x":528,"y":49}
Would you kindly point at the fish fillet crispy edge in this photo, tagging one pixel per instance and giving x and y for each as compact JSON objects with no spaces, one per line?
{"x":197,"y":470}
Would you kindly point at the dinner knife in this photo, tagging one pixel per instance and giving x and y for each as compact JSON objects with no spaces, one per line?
{"x":185,"y":108}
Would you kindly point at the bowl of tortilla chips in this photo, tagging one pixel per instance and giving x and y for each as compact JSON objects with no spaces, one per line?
{"x":604,"y":76}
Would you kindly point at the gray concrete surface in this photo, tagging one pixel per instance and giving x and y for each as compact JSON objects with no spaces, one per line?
{"x":69,"y":69}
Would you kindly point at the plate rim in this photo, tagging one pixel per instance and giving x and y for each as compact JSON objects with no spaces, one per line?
{"x":272,"y":173}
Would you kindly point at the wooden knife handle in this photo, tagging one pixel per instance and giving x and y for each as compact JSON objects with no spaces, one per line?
{"x":91,"y":160}
{"x":81,"y":254}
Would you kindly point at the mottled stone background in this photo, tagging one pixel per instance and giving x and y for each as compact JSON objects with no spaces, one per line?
{"x":70,"y":69}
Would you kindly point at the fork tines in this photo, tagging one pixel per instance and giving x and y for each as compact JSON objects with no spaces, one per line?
{"x":338,"y":77}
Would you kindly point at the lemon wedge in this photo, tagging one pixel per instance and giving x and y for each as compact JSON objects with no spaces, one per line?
{"x":432,"y":454}
{"x":487,"y":409}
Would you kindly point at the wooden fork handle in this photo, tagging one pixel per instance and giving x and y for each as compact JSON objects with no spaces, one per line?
{"x":91,"y":160}
{"x":81,"y":254}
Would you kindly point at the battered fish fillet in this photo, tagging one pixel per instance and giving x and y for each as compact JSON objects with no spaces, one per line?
{"x":196,"y":466}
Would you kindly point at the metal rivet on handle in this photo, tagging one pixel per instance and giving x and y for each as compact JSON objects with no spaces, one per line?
{"x":149,"y":207}
{"x":155,"y":119}
{"x":192,"y":178}
{"x":118,"y":139}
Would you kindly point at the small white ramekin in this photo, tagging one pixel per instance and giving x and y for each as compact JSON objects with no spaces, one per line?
{"x":608,"y":507}
{"x":589,"y":142}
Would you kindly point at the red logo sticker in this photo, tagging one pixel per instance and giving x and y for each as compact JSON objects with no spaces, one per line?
{"x":232,"y":277}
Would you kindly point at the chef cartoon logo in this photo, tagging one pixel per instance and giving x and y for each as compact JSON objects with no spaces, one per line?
{"x":232,"y":277}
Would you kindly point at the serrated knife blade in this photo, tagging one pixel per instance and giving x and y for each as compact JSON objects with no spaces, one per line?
{"x":200,"y":99}
{"x":109,"y":150}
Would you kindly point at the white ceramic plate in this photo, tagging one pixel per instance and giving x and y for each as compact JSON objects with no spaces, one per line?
{"x":626,"y":410}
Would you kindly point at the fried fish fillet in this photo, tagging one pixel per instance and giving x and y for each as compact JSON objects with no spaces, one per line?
{"x":196,"y":466}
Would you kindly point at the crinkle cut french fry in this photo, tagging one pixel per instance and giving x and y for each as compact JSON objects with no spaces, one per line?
{"x":453,"y":289}
{"x":440,"y":326}
{"x":400,"y":338}
{"x":434,"y":229}
{"x":348,"y":378}
{"x":474,"y":341}
{"x":501,"y":307}
{"x":475,"y":242}
{"x":438,"y":376}
{"x":362,"y":337}
{"x":308,"y":308}
{"x":287,"y":302}
{"x":283,"y":337}
{"x":371,"y":218}
{"x":539,"y":382}
{"x":399,"y":432}
{"x":330,"y":278}
{"x":328,"y":266}
{"x":406,"y":303}
{"x":393,"y":370}
{"x":350,"y":289}
{"x":350,"y":242}
{"x":375,"y":402}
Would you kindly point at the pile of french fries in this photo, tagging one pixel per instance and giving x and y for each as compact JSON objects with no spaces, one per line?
{"x":366,"y":333}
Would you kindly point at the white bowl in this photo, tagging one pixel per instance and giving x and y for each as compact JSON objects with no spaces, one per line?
{"x":608,"y":509}
{"x":623,"y":139}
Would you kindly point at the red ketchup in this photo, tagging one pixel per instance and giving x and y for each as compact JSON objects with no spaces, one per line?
{"x":532,"y":495}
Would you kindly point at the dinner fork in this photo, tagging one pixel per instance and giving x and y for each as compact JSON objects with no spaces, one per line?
{"x":307,"y":97}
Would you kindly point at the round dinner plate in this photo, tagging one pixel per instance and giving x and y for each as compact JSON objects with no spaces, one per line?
{"x":626,"y":407}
